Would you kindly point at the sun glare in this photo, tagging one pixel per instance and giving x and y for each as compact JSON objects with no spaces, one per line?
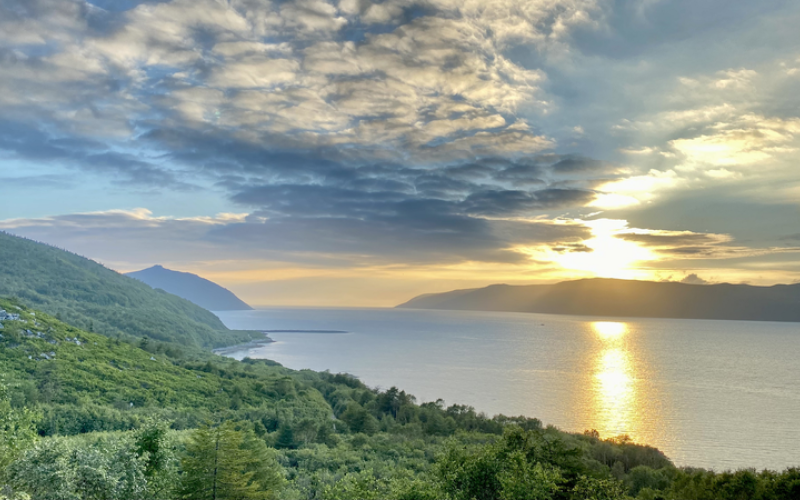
{"x":608,"y":330}
{"x":615,"y":403}
{"x":610,"y":257}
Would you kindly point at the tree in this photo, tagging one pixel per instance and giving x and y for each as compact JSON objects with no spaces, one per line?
{"x":223,"y":463}
{"x":361,"y":485}
{"x":285,"y":439}
{"x":160,"y":468}
{"x":306,"y":430}
{"x":61,"y":469}
{"x":589,"y":488}
{"x":17,"y":430}
{"x":523,"y":481}
{"x":358,"y":419}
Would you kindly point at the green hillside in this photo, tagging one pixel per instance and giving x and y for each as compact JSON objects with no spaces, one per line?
{"x":84,"y":293}
{"x":102,"y":409}
{"x":86,"y":382}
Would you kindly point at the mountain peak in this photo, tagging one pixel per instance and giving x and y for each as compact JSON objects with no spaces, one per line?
{"x":191,"y":287}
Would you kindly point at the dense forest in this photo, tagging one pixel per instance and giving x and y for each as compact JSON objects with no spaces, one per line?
{"x":85,"y":416}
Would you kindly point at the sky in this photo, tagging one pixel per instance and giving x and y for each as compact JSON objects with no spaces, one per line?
{"x":358,"y":153}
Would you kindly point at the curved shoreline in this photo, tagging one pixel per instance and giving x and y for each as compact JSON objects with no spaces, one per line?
{"x":225,"y":351}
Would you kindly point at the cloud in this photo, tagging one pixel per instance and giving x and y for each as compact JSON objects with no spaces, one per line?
{"x":413,"y":130}
{"x":413,"y":234}
{"x":693,"y":245}
{"x":694,"y":279}
{"x":504,"y":203}
{"x":124,"y":168}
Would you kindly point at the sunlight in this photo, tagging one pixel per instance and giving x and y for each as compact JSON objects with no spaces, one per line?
{"x":615,"y":402}
{"x":610,"y":257}
{"x":607,"y":330}
{"x":614,"y":376}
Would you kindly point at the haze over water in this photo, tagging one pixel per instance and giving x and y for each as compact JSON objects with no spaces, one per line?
{"x":715,"y":394}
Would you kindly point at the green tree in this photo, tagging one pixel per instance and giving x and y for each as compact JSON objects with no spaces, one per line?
{"x":223,"y":463}
{"x":306,"y":430}
{"x":57,"y":469}
{"x":160,"y":464}
{"x":361,"y":485}
{"x":589,"y":488}
{"x":17,"y":431}
{"x":522,"y":480}
{"x":358,"y":419}
{"x":285,"y":439}
{"x":470,"y":474}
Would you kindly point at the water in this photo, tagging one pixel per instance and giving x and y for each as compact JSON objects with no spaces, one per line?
{"x":714,"y":394}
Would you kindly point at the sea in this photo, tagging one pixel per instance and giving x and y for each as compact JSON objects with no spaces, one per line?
{"x":712,"y":394}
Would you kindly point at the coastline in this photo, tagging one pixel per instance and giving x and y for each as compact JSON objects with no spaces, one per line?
{"x":226,"y":351}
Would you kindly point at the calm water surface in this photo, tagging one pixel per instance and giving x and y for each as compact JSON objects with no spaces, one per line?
{"x":716,"y":394}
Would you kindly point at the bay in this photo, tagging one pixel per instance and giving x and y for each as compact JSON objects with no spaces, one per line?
{"x":713,"y":394}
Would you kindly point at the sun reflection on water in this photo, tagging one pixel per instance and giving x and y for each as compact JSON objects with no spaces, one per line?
{"x":615,"y":390}
{"x":609,"y":329}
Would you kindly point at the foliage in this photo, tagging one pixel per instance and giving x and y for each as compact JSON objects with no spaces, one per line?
{"x":17,"y":430}
{"x":84,"y":293}
{"x":84,"y":382}
{"x":223,"y":463}
{"x":522,"y":480}
{"x":58,"y":469}
{"x":119,"y":420}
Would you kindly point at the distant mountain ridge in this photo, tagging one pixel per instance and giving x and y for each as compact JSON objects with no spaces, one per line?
{"x":191,"y":287}
{"x":92,"y":297}
{"x":612,"y":297}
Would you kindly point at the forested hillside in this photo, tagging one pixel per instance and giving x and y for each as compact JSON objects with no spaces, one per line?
{"x":86,"y":294}
{"x":191,"y":287}
{"x":83,"y":416}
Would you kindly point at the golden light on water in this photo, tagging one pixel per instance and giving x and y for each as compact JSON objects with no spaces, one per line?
{"x":609,"y":329}
{"x":615,"y":391}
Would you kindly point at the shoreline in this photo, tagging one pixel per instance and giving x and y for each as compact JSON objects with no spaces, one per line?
{"x":227,"y":350}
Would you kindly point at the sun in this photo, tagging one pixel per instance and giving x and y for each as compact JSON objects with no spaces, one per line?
{"x":610,"y":257}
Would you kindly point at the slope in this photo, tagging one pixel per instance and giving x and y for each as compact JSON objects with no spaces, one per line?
{"x":87,"y":382}
{"x":611,"y":297}
{"x":191,"y":287}
{"x":86,"y":294}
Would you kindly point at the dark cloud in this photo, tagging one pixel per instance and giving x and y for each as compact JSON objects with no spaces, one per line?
{"x":573,"y":247}
{"x":674,"y":239}
{"x":497,"y":203}
{"x":374,"y":241}
{"x":522,"y":175}
{"x":27,"y":143}
{"x":691,"y":251}
{"x":578,"y":165}
{"x":416,"y":232}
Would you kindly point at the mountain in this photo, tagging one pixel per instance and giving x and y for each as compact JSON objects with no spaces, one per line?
{"x":191,"y":287}
{"x":90,"y":296}
{"x":84,"y":381}
{"x":612,"y":297}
